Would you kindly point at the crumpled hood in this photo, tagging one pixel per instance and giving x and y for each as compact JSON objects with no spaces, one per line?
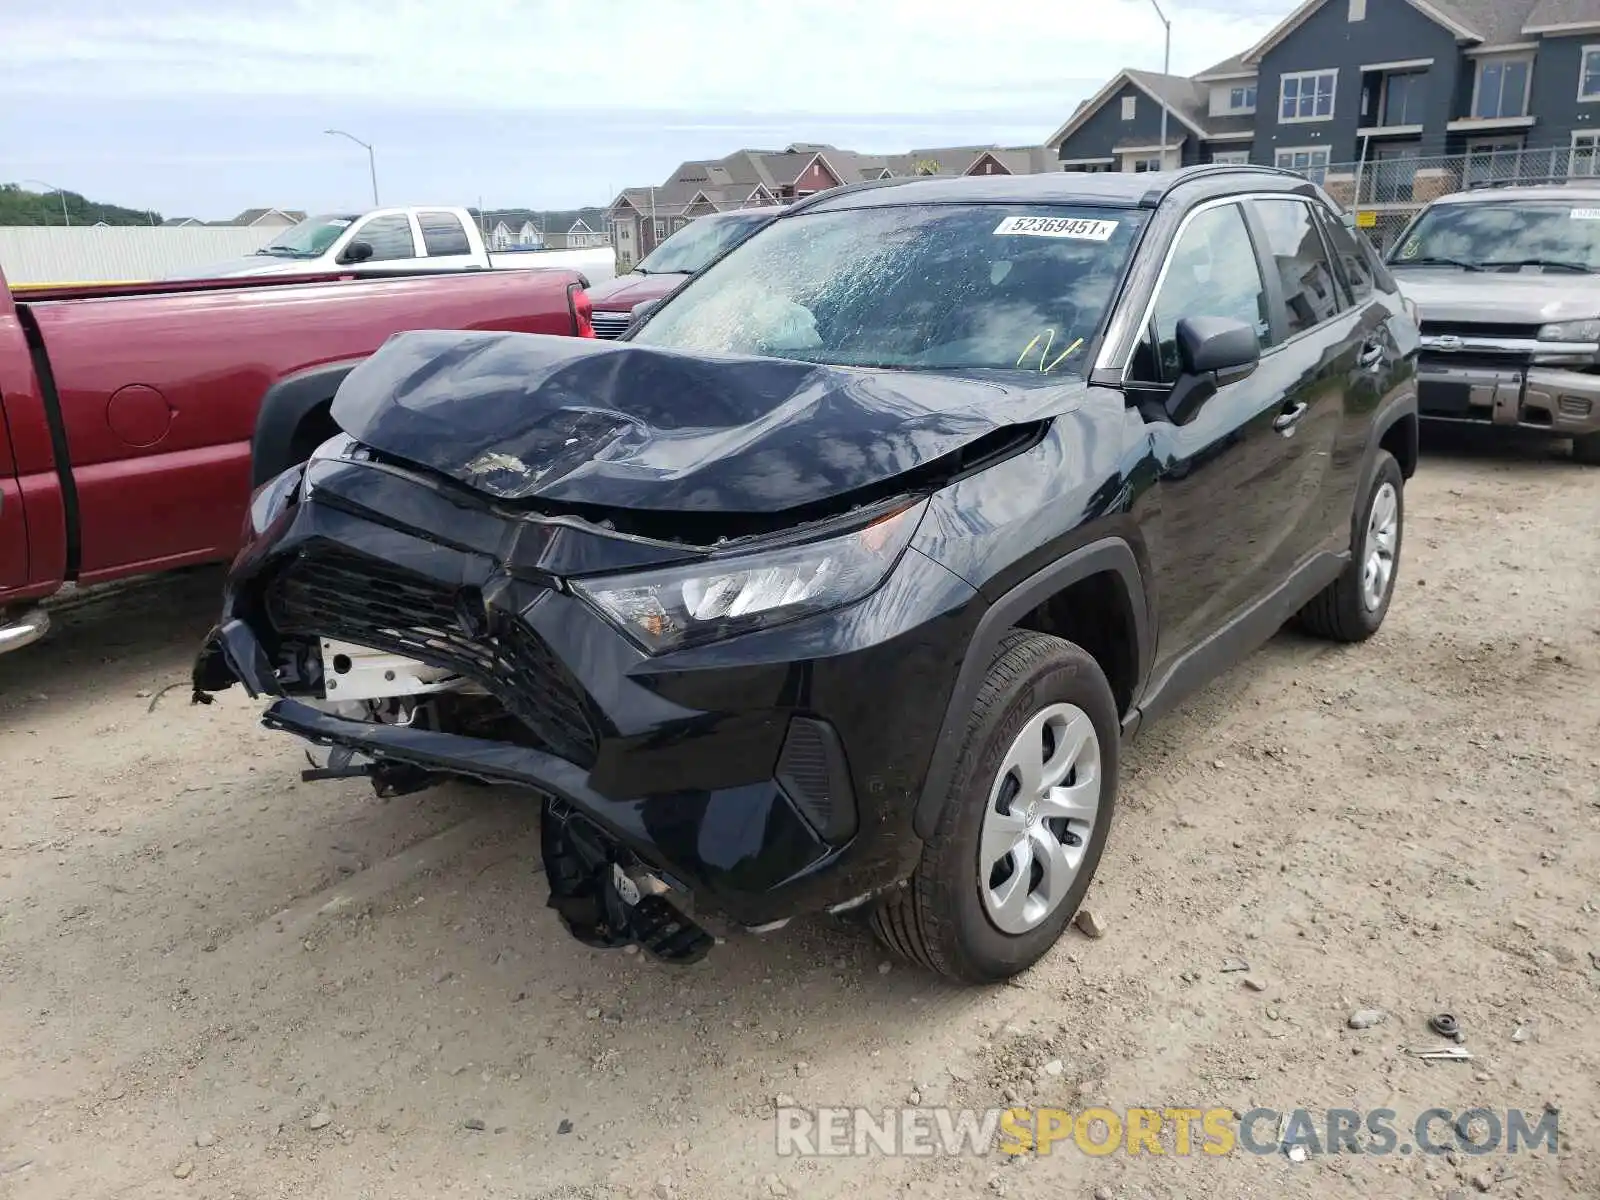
{"x":624,"y":291}
{"x":572,"y":420}
{"x":1523,"y":298}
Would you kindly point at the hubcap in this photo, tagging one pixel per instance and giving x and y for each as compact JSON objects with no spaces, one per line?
{"x":1042,"y":809}
{"x":1383,"y":532}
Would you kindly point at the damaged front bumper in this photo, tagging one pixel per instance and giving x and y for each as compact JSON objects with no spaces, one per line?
{"x":768,"y":775}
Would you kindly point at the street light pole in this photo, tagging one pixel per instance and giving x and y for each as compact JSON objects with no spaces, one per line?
{"x":372,"y":160}
{"x":62,"y":192}
{"x":1166,"y":69}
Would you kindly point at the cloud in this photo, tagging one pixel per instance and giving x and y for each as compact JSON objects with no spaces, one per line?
{"x":836,"y":56}
{"x":210,"y":106}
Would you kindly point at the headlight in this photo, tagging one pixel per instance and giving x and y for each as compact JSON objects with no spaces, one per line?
{"x":1571,"y":331}
{"x":720,"y":597}
{"x":273,"y":497}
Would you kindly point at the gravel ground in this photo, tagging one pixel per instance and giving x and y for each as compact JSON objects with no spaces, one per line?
{"x":216,"y":981}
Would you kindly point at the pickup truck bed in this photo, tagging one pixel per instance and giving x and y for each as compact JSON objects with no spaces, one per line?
{"x":135,"y":419}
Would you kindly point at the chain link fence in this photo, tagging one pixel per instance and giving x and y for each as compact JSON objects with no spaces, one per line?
{"x":1389,"y":187}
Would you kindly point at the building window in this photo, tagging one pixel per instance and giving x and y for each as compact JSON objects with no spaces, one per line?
{"x":1306,"y":96}
{"x":1130,"y":107}
{"x":1230,"y":157}
{"x":1394,"y":172}
{"x":1242,"y":99}
{"x":1585,"y":154}
{"x":1310,"y":161}
{"x":1403,"y":96}
{"x":1589,"y":74}
{"x":1490,"y":160}
{"x":1143,"y":163}
{"x":1501,"y":89}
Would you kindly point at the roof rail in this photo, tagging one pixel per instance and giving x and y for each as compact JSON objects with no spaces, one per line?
{"x":1156,"y":195}
{"x":844,"y":189}
{"x":1531,"y":181}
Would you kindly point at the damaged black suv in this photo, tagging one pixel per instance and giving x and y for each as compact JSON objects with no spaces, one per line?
{"x":838,"y":583}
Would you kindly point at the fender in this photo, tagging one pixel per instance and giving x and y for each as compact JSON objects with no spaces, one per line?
{"x":1396,"y":410}
{"x":1107,"y":554}
{"x":283,"y":407}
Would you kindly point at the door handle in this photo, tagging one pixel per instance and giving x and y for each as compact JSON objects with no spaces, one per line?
{"x":1371,"y":356}
{"x":1285,"y":421}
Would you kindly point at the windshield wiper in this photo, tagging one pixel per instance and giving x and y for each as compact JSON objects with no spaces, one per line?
{"x":1437,"y":260}
{"x":1557,"y":264}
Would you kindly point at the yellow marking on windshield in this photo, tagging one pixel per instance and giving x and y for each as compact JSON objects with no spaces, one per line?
{"x":1046,"y":363}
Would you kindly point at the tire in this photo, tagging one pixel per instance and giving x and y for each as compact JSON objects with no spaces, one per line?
{"x":941,"y":918}
{"x":1586,"y":449}
{"x":1345,"y":610}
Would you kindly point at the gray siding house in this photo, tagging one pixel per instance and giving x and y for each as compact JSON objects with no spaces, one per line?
{"x":1402,"y":99}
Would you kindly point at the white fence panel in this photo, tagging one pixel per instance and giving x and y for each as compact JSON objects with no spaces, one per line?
{"x":119,"y":254}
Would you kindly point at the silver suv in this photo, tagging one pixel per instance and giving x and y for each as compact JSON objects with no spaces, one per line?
{"x":1507,"y":280}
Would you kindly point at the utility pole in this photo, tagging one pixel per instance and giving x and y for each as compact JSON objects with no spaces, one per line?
{"x":66,"y":218}
{"x":1166,"y":69}
{"x":372,"y":160}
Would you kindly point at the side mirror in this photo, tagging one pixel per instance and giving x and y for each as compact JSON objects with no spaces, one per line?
{"x":1213,"y":352}
{"x":356,"y":252}
{"x":641,"y":310}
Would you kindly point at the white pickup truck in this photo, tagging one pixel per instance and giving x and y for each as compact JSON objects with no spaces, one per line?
{"x":417,"y":238}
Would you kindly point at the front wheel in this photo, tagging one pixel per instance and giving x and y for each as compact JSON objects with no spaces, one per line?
{"x":1025,"y":823}
{"x":1351,"y":608}
{"x":1586,"y":449}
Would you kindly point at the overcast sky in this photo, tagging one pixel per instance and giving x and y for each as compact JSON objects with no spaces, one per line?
{"x":205,"y":107}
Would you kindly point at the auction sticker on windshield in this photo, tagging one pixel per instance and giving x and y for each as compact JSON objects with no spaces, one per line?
{"x":1082,"y":229}
{"x":1586,"y":214}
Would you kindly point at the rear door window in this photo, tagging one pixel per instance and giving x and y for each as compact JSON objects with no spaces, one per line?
{"x":1294,"y":245}
{"x":389,"y":236}
{"x":443,"y":235}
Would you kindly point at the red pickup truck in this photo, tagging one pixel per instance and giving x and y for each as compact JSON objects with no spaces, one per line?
{"x":136,"y":419}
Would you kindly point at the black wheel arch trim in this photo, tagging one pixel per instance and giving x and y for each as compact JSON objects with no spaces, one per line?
{"x":1402,"y":406}
{"x":1108,"y":554}
{"x":283,"y":407}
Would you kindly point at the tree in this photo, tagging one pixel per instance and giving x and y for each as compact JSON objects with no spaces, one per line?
{"x":19,"y":206}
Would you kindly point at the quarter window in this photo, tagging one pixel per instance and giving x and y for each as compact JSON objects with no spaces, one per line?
{"x":1212,"y":272}
{"x":1354,"y":254}
{"x":1296,"y":250}
{"x":443,"y":234}
{"x":1307,"y":95}
{"x":389,"y":237}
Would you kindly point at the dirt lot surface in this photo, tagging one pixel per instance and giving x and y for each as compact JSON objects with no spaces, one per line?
{"x":217,"y":981}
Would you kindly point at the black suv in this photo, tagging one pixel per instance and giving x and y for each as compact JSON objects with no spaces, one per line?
{"x":840,"y":581}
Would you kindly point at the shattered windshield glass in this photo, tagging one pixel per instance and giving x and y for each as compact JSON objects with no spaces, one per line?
{"x":931,"y":287}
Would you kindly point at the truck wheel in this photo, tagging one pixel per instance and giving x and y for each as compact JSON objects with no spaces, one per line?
{"x":1586,"y":449}
{"x":1351,"y":608}
{"x":1026,"y":820}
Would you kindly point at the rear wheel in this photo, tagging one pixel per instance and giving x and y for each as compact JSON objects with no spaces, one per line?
{"x":1026,"y":820}
{"x":1351,"y":608}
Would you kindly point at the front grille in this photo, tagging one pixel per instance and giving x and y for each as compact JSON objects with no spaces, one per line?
{"x":609,"y":324}
{"x":1480,"y":329}
{"x":337,"y":594}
